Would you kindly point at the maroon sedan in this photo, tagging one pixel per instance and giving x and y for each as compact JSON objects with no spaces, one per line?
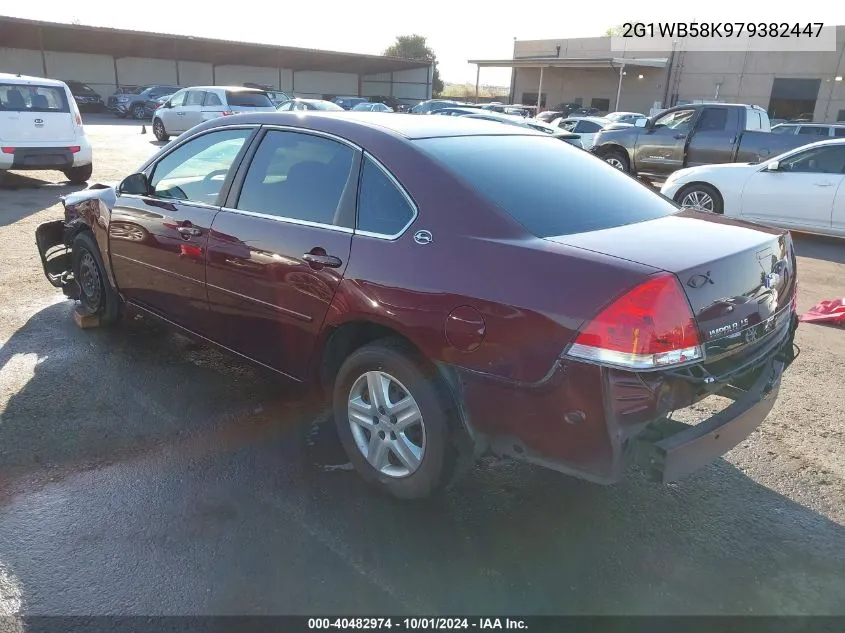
{"x":455,"y":287}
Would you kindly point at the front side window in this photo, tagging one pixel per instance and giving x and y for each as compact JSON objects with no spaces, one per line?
{"x":680,"y":120}
{"x":286,"y":107}
{"x":196,"y":170}
{"x":178,"y":99}
{"x":819,"y":160}
{"x":32,"y":98}
{"x":297,"y":176}
{"x":383,"y":209}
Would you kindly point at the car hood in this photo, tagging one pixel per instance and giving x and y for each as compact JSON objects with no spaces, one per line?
{"x":101,"y":191}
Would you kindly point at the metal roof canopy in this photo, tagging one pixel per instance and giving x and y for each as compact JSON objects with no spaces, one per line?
{"x":581,"y":63}
{"x":76,"y":38}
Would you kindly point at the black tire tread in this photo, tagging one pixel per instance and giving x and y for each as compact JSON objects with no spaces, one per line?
{"x":109,"y":311}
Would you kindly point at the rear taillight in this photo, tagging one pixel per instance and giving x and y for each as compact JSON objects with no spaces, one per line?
{"x":649,"y":327}
{"x":7,"y":150}
{"x":78,"y":119}
{"x":74,"y":149}
{"x":227,"y":113}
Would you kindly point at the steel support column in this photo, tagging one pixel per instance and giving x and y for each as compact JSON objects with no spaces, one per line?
{"x":619,"y":86}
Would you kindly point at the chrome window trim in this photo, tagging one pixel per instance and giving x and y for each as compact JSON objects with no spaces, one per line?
{"x":402,"y":190}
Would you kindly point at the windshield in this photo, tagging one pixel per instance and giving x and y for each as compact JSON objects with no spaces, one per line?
{"x":547,"y":186}
{"x":32,"y":98}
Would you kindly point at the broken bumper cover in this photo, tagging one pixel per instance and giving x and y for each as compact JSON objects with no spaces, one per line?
{"x":669,"y":450}
{"x":56,"y":256}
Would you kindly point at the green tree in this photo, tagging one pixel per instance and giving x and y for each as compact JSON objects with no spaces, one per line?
{"x":416,"y":47}
{"x":614,"y":30}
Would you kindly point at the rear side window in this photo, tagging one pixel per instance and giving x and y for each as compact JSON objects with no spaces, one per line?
{"x":713,"y":120}
{"x":211,"y":99}
{"x":549,"y":187}
{"x":195,"y":97}
{"x":839,"y":131}
{"x":32,"y":98}
{"x":383,"y":208}
{"x":248,"y":99}
{"x":297,"y":176}
{"x":807,"y":130}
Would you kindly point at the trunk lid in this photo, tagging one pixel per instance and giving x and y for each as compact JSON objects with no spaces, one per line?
{"x":739,"y":278}
{"x":29,"y":127}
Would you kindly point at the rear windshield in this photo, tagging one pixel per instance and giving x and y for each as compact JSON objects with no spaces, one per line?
{"x":248,"y":99}
{"x":550,"y":187}
{"x":32,"y":98}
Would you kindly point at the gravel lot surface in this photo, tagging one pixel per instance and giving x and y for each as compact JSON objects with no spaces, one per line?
{"x":141,"y":473}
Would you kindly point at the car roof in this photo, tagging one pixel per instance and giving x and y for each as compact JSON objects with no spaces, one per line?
{"x":352,"y":124}
{"x":28,"y":79}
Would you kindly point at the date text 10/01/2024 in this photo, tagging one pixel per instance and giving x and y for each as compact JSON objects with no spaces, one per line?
{"x":415,"y":624}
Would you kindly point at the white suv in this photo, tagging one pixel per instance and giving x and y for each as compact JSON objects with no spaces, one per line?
{"x":41,"y":128}
{"x":192,"y":106}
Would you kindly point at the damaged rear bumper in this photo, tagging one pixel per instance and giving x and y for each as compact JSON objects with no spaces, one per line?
{"x":56,"y":256}
{"x":668,"y":450}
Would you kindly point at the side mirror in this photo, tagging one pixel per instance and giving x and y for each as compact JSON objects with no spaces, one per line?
{"x":773,"y":166}
{"x":136,"y":184}
{"x":641,"y":123}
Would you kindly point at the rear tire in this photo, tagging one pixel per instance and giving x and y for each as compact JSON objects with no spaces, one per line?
{"x":701,"y":197}
{"x":159,"y":132}
{"x":617,"y":159}
{"x":396,"y":369}
{"x":96,"y":296}
{"x":79,"y":175}
{"x":139,"y":112}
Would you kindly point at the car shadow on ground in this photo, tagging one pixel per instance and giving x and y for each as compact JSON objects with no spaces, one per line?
{"x":509,"y":539}
{"x":820,"y":247}
{"x":26,"y":195}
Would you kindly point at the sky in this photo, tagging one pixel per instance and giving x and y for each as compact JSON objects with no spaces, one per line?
{"x":456,"y":31}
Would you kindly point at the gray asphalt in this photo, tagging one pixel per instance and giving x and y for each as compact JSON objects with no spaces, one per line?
{"x":143,"y":474}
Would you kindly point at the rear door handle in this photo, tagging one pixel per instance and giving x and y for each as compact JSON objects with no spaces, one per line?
{"x":824,"y":184}
{"x":180,"y":113}
{"x":329,"y":261}
{"x":680,"y":136}
{"x":189,"y":231}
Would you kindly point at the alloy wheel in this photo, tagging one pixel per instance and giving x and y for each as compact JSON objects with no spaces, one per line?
{"x":386,"y":424}
{"x":615,"y":162}
{"x":698,"y":200}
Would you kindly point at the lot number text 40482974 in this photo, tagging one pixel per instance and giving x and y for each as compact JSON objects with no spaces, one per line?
{"x":417,"y":624}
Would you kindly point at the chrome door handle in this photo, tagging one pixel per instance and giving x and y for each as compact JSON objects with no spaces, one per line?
{"x":823,"y":184}
{"x":188,"y":231}
{"x":329,"y":261}
{"x":180,"y":114}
